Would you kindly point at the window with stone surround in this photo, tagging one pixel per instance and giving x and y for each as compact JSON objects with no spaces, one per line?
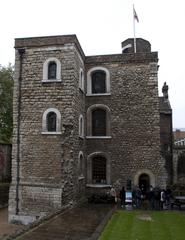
{"x":51,"y":121}
{"x":98,"y":169}
{"x":81,"y":165}
{"x":52,"y":70}
{"x":81,"y":79}
{"x":98,"y":81}
{"x":98,"y":121}
{"x":81,"y":126}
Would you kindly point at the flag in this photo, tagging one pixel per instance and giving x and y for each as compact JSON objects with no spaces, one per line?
{"x":135,"y":15}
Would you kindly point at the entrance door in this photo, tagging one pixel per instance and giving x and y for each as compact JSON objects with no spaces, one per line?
{"x":144,"y":182}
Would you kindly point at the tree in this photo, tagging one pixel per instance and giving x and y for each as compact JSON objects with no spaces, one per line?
{"x":6,"y":104}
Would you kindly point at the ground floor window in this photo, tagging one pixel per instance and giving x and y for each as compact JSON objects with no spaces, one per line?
{"x":99,"y":170}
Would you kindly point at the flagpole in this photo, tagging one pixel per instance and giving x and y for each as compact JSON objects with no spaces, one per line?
{"x":134,"y":29}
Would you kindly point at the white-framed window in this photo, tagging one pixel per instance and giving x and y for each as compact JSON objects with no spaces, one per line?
{"x":98,"y":121}
{"x":98,"y":81}
{"x":52,"y":70}
{"x":51,"y":121}
{"x":81,"y":126}
{"x":81,"y":79}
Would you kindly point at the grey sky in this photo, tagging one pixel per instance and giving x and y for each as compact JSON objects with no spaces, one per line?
{"x":100,"y":26}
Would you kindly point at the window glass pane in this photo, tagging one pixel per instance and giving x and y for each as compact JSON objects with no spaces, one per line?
{"x":99,"y":82}
{"x":52,"y":70}
{"x":51,"y":122}
{"x":99,"y":122}
{"x":99,"y":170}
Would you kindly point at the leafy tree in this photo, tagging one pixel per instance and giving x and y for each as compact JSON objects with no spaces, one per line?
{"x":6,"y":104}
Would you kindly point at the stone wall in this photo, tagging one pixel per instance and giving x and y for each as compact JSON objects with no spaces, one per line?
{"x":51,"y":170}
{"x":48,"y":162}
{"x":134,"y":146}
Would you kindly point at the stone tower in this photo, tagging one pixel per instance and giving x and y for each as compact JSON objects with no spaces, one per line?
{"x":81,"y":123}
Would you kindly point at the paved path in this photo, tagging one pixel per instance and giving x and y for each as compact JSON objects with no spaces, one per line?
{"x":75,"y":224}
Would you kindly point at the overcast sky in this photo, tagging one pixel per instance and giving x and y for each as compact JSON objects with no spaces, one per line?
{"x":101,"y":26}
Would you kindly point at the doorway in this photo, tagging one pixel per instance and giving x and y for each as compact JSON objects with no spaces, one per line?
{"x":144,"y":182}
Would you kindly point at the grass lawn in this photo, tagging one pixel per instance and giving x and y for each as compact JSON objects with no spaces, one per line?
{"x":145,"y":225}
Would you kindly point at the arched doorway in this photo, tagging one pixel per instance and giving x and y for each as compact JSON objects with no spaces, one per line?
{"x":144,"y":182}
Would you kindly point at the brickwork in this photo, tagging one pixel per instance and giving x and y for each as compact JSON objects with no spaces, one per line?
{"x":135,"y":142}
{"x":49,"y":166}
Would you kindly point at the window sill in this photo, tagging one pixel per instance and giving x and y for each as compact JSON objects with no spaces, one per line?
{"x":97,"y":94}
{"x":51,"y":81}
{"x":98,"y":137}
{"x":81,"y":137}
{"x":81,"y":177}
{"x":98,"y":185}
{"x":51,"y":133}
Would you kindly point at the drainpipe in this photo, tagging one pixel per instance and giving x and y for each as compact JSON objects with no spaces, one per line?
{"x":21,"y":52}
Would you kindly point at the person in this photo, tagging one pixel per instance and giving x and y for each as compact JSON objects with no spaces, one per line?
{"x":162,"y":199}
{"x":113,"y":194}
{"x":134,"y":196}
{"x":122,"y":196}
{"x":156,"y":196}
{"x":151,"y":198}
{"x":168,"y":197}
{"x":138,"y":197}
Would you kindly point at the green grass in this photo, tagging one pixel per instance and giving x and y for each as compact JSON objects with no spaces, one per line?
{"x":130,"y":225}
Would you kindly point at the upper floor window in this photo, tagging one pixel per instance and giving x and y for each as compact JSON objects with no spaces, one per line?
{"x":80,"y":164}
{"x":52,"y":70}
{"x":81,"y":79}
{"x":51,"y":121}
{"x":81,"y":126}
{"x":98,"y":121}
{"x":98,"y":81}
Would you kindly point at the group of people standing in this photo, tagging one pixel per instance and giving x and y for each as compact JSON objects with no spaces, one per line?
{"x":153,"y":198}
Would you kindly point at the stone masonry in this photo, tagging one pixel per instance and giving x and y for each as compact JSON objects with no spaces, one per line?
{"x":46,"y":170}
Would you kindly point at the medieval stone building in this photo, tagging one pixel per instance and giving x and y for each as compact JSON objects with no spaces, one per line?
{"x":82,"y":123}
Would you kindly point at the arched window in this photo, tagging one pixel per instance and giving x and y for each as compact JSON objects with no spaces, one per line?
{"x":52,"y":70}
{"x":99,"y":122}
{"x":81,"y":79}
{"x":81,"y":126}
{"x":51,"y":121}
{"x":98,"y":81}
{"x":80,"y":164}
{"x":99,"y":170}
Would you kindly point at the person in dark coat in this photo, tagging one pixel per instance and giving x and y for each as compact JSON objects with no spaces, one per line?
{"x":122,"y":197}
